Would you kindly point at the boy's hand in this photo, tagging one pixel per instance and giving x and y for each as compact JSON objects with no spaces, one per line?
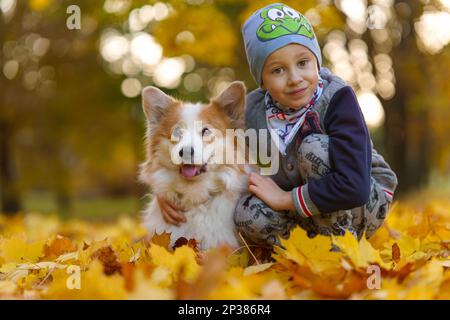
{"x":171,"y":213}
{"x":269,"y":192}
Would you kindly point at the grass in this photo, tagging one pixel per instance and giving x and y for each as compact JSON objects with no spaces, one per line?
{"x":85,"y":208}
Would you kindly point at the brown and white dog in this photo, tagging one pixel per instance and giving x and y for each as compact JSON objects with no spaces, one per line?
{"x":183,"y":140}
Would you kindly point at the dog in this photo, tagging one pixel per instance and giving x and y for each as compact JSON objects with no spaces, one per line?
{"x":182,"y":143}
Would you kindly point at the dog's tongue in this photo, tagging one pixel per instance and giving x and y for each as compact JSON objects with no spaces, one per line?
{"x":189,"y":171}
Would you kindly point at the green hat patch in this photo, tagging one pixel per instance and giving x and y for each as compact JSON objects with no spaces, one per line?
{"x":280,"y":20}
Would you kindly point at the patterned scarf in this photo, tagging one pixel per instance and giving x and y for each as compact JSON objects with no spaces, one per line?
{"x":286,"y":122}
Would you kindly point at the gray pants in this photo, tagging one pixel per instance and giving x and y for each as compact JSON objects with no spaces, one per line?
{"x":259,"y":224}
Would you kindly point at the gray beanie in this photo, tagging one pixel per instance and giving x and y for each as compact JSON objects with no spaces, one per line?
{"x":274,"y":27}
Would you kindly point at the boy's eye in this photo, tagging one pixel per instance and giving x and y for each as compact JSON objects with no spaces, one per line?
{"x":303,"y":62}
{"x":277,"y":70}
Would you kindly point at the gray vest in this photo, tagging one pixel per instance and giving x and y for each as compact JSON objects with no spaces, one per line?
{"x":288,"y":175}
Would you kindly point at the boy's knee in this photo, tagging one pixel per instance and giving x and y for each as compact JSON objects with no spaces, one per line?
{"x":258,"y":223}
{"x":313,"y":156}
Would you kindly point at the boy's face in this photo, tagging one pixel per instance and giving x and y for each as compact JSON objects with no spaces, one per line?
{"x":290,"y":74}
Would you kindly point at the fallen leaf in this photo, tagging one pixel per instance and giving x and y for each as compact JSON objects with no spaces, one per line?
{"x":108,"y":258}
{"x":257,"y":268}
{"x":360,"y":253}
{"x":162,"y":239}
{"x":315,"y":253}
{"x":59,"y":246}
{"x":182,"y":262}
{"x":17,"y":249}
{"x":396,"y":253}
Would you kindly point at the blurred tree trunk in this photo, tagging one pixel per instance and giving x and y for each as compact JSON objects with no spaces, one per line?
{"x":407,"y":127}
{"x":10,"y":197}
{"x":9,"y":184}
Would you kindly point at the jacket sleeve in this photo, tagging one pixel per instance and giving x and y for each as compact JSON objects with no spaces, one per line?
{"x":348,"y":184}
{"x":384,"y":175}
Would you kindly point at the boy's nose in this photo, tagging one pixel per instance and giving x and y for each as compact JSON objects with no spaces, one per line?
{"x":295,"y":77}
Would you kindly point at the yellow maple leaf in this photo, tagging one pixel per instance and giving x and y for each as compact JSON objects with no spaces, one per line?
{"x":147,"y":289}
{"x":239,"y":258}
{"x":181,"y":261}
{"x":313,"y":252}
{"x":425,"y":282}
{"x":94,"y":284}
{"x":84,"y":255}
{"x":361,"y":253}
{"x":413,"y":249}
{"x":17,"y":249}
{"x":124,"y":250}
{"x":236,"y":285}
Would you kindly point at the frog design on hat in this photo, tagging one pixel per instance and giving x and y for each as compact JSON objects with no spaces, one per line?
{"x":281,"y":20}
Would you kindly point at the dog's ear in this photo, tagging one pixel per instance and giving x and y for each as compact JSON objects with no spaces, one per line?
{"x":154,"y":103}
{"x":232,"y":100}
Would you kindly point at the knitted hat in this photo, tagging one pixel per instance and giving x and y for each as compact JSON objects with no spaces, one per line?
{"x":274,"y":27}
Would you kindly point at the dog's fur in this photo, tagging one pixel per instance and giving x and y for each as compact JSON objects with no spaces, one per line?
{"x":208,"y":192}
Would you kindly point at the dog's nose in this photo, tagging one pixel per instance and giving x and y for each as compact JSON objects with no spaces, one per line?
{"x":188,"y":151}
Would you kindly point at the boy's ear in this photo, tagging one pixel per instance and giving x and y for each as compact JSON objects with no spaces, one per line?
{"x":154,"y":103}
{"x":232,"y":100}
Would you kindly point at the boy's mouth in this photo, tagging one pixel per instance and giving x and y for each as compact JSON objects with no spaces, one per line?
{"x":297,"y":92}
{"x":190,"y":171}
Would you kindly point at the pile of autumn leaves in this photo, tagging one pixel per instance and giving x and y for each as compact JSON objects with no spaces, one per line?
{"x":42,"y":257}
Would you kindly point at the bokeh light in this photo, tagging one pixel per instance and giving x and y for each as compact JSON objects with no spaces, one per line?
{"x":7,"y":7}
{"x":168,"y":73}
{"x":116,"y":6}
{"x":10,"y":69}
{"x":161,"y":11}
{"x":355,"y":10}
{"x":144,"y":48}
{"x":193,"y":82}
{"x":113,"y":46}
{"x":131,"y":87}
{"x":371,"y":108}
{"x":433,"y":30}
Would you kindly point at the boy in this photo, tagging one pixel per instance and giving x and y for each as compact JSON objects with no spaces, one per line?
{"x":330,"y":178}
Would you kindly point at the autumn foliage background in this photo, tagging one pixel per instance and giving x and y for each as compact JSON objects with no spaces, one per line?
{"x":71,"y":140}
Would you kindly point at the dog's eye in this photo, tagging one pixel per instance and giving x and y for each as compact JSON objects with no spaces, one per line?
{"x":177,"y":133}
{"x":205,"y":132}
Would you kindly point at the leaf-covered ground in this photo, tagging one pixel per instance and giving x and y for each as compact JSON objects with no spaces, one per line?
{"x":42,"y":257}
